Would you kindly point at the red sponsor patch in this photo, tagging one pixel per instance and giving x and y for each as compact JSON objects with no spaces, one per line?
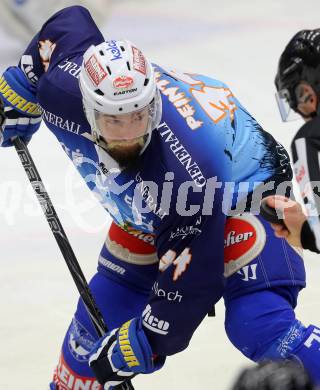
{"x":127,"y":239}
{"x":95,"y":70}
{"x":244,"y":239}
{"x":239,"y":237}
{"x":139,"y":62}
{"x":123,"y":82}
{"x":66,"y":379}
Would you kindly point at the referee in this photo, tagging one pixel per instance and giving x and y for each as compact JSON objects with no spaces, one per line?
{"x":298,"y":92}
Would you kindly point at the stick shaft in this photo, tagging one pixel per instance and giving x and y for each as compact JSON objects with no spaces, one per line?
{"x":60,"y":236}
{"x":64,"y":244}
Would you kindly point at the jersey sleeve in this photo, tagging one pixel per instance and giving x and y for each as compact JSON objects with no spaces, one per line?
{"x":307,"y":237}
{"x":67,"y":33}
{"x":305,"y":152}
{"x":190,"y":246}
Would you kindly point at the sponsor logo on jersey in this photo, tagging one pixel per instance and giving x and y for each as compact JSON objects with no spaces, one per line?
{"x":95,"y":70}
{"x":170,"y":296}
{"x":16,"y":100}
{"x":184,"y":231}
{"x":248,"y":272}
{"x":244,"y":239}
{"x":125,"y":346}
{"x":113,"y":267}
{"x":301,"y":170}
{"x":215,"y":101}
{"x":182,"y":155}
{"x":66,"y":378}
{"x":115,"y":51}
{"x":26,"y":64}
{"x":125,"y":92}
{"x":179,"y":100}
{"x":148,"y":238}
{"x":60,"y":122}
{"x":71,"y":67}
{"x":295,"y":336}
{"x":80,"y":341}
{"x":123,"y":82}
{"x":300,"y":173}
{"x":139,"y":61}
{"x":153,"y":323}
{"x":46,"y":48}
{"x":148,"y":198}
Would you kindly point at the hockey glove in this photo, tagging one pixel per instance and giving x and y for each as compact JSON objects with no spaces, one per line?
{"x":122,"y":353}
{"x":20,"y":106}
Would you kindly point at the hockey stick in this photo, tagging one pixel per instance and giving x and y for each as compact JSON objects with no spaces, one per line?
{"x":64,"y":244}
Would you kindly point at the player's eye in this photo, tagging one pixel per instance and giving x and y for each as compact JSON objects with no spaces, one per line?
{"x":112,"y":121}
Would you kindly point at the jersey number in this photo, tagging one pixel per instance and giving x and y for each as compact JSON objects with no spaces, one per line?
{"x":181,"y":262}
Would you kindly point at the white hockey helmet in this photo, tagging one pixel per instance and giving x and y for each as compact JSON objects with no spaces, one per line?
{"x":115,"y":80}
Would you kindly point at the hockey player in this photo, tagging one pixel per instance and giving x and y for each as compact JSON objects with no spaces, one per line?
{"x":161,"y":149}
{"x":298,"y":86}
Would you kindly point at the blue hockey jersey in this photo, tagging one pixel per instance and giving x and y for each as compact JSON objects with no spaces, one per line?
{"x":176,"y":189}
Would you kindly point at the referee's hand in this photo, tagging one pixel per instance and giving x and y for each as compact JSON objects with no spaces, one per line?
{"x":293,"y":217}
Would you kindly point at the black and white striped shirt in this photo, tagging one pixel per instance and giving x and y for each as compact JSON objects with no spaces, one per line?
{"x":305,"y":149}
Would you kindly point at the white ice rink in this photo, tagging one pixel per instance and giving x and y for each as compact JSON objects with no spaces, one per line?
{"x":238,"y":41}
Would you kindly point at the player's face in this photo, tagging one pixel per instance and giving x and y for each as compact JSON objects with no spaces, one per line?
{"x":306,"y":99}
{"x":124,"y":134}
{"x":125,"y":128}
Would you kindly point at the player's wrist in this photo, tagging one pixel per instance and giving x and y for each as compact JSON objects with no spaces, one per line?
{"x":123,"y":353}
{"x":132,"y":335}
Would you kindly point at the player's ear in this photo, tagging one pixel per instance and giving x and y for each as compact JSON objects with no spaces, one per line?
{"x":307,"y":100}
{"x":303,"y":92}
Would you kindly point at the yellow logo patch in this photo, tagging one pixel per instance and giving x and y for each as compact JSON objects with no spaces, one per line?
{"x":16,"y":100}
{"x":125,"y":346}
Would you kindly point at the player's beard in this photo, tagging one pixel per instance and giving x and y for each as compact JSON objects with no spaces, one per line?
{"x":124,"y":154}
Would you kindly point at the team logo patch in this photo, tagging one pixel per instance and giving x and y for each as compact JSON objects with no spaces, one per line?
{"x":123,"y":82}
{"x":244,"y":239}
{"x":80,"y":341}
{"x":139,"y":62}
{"x":95,"y":70}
